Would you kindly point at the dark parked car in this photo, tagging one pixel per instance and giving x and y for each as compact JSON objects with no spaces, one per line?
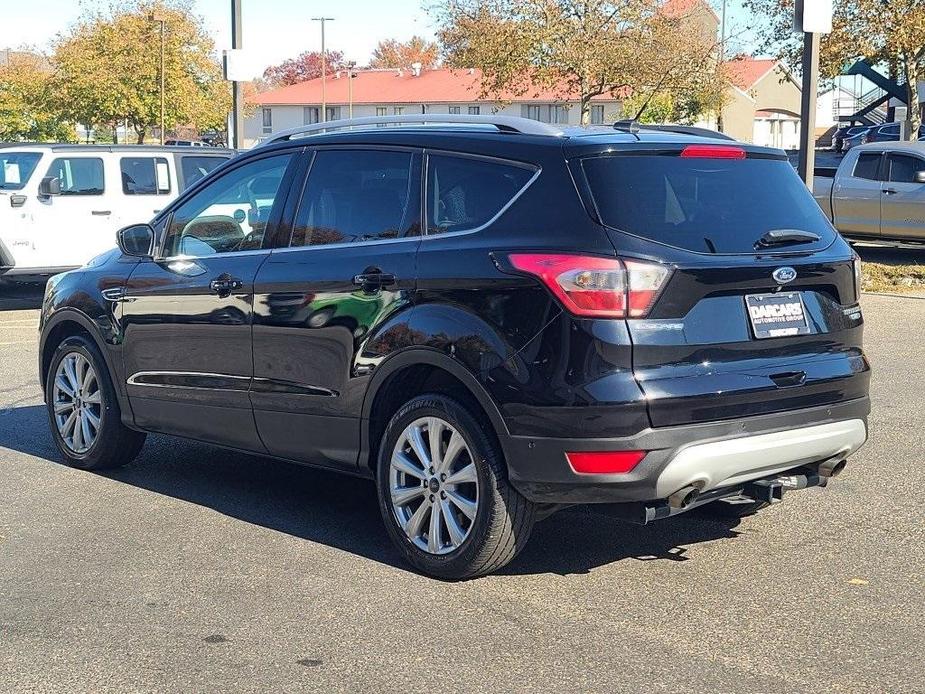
{"x":842,"y":134}
{"x":493,"y":318}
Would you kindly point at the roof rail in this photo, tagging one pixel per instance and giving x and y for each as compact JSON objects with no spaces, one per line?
{"x":507,"y":124}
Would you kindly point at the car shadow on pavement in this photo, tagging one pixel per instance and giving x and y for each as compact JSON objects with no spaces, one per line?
{"x":342,"y":511}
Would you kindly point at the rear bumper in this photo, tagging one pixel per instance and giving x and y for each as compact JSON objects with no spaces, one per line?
{"x":708,"y":456}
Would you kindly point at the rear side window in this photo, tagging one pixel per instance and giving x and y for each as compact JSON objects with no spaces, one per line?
{"x":354,"y":196}
{"x":194,"y":169}
{"x":465,"y":193}
{"x":16,"y":168}
{"x":868,"y":166}
{"x":701,"y":204}
{"x":903,"y":168}
{"x":145,"y":175}
{"x":78,"y":175}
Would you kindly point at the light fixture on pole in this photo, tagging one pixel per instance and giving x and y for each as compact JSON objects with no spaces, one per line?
{"x":161,"y":18}
{"x":324,"y":69}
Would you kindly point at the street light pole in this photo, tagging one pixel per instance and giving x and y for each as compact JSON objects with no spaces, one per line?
{"x":161,"y":18}
{"x":324,"y":69}
{"x":350,"y":76}
{"x":237,"y":88}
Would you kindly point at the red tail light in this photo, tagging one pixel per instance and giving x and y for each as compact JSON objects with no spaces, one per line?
{"x":595,"y":286}
{"x":604,"y":462}
{"x":712,"y":152}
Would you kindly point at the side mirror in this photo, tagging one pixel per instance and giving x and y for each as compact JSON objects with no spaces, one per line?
{"x":136,"y":240}
{"x":920,"y":176}
{"x":50,"y":185}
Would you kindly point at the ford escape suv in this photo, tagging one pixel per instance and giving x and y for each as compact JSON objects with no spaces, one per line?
{"x":490,"y":317}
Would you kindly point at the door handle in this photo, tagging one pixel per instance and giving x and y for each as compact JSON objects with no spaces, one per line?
{"x":223,"y":286}
{"x":101,"y":213}
{"x":890,"y":191}
{"x":374,"y":279}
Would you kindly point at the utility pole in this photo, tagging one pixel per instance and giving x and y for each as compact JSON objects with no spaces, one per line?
{"x":350,"y":75}
{"x":722,"y":61}
{"x":161,"y":18}
{"x":324,"y":69}
{"x":237,"y":88}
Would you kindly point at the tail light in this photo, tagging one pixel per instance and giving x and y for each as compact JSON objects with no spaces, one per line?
{"x":858,"y":275}
{"x":595,"y":286}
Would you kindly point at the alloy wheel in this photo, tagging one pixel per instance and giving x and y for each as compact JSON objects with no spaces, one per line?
{"x":433,"y":485}
{"x":78,"y":402}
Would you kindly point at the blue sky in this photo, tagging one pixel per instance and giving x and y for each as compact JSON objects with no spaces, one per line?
{"x":273,"y":29}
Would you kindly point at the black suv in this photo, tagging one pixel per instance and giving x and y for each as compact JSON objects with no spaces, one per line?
{"x":490,"y":317}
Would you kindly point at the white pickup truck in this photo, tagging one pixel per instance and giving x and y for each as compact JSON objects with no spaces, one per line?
{"x":61,"y":205}
{"x":877,"y":192}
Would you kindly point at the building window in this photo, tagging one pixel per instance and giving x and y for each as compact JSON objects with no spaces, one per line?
{"x":531,"y":111}
{"x":597,"y":115}
{"x":474,"y":110}
{"x":381,"y":111}
{"x":332,"y":113}
{"x":558,"y":114}
{"x":454,"y":110}
{"x":310,"y":114}
{"x":267,"y":120}
{"x":398,"y":110}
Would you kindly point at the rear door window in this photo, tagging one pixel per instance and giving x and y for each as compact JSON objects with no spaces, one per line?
{"x":145,"y":175}
{"x":465,"y":193}
{"x":16,"y":168}
{"x":79,"y":175}
{"x":868,"y":166}
{"x":194,"y":169}
{"x":358,"y":195}
{"x":705,"y":205}
{"x":904,"y":168}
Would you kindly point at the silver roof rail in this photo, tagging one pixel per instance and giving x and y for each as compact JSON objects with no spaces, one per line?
{"x":508,"y":124}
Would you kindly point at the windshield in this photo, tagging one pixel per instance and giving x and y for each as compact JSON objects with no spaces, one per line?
{"x":705,"y":205}
{"x":16,"y":168}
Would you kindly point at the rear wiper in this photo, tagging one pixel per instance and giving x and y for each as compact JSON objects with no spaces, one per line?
{"x":778,"y":237}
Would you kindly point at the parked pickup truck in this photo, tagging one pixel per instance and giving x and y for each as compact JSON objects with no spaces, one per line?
{"x":877,"y":192}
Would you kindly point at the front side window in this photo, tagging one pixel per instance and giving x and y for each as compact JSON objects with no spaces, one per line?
{"x":354,"y":195}
{"x":464,"y":193}
{"x":79,"y":175}
{"x":904,"y":168}
{"x":145,"y":175}
{"x":229,"y":214}
{"x":196,"y":168}
{"x":868,"y":166}
{"x":16,"y":169}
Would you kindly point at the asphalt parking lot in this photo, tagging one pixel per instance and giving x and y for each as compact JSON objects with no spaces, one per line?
{"x":196,"y":569}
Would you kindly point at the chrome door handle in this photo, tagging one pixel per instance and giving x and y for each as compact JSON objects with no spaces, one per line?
{"x":374,"y":279}
{"x":890,"y":191}
{"x":223,"y":286}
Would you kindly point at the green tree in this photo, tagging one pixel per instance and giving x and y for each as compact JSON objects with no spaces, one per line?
{"x":583,"y":48}
{"x":888,"y":32}
{"x":28,"y":108}
{"x":108,"y":68}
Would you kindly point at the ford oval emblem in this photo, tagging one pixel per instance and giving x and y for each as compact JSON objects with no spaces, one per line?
{"x":782,"y":275}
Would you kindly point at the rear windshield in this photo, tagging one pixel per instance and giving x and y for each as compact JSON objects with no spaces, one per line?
{"x":16,"y":168}
{"x":704,"y":205}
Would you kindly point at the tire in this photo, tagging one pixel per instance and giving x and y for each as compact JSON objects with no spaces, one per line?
{"x":477,"y":544}
{"x":113,"y":444}
{"x":725,"y":509}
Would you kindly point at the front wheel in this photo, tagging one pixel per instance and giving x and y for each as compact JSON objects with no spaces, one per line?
{"x":83,"y":410}
{"x":444,"y":493}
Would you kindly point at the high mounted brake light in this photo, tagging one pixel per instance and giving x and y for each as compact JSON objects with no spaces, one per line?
{"x":594,"y":286}
{"x":712,"y":152}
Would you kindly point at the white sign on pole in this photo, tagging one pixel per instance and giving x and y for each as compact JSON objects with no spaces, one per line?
{"x":812,"y":16}
{"x":235,"y":66}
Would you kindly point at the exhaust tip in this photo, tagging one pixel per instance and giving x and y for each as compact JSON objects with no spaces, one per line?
{"x":683,"y":497}
{"x":832,"y":468}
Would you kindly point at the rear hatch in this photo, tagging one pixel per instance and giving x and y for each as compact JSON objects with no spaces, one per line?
{"x":759,"y":313}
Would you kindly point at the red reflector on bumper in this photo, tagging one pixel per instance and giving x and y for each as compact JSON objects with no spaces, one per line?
{"x":604,"y":462}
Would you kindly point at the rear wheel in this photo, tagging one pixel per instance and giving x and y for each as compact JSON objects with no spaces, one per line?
{"x":444,"y":493}
{"x":83,"y":410}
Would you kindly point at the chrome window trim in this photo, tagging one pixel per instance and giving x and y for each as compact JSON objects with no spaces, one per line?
{"x":228,"y":254}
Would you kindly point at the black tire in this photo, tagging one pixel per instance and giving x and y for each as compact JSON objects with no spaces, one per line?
{"x":725,"y":509}
{"x":503,"y":519}
{"x":115,"y":444}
